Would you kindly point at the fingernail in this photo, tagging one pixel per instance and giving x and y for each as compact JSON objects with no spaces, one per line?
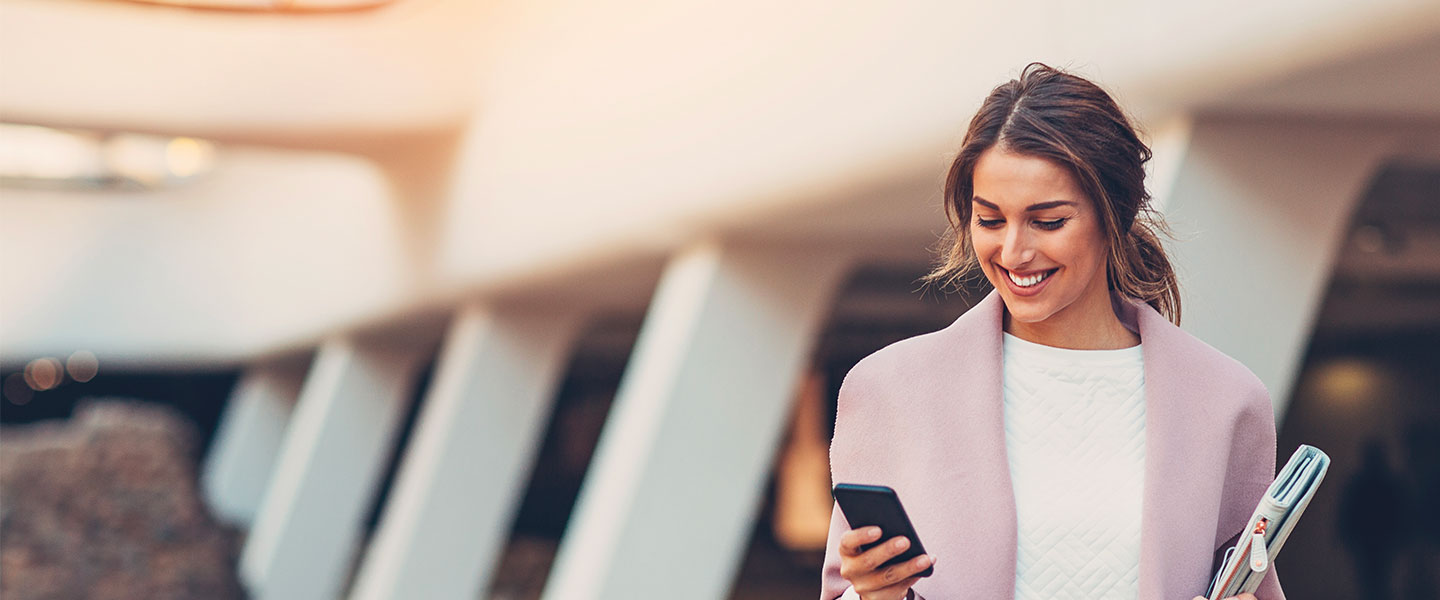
{"x":925,"y":561}
{"x":872,"y":533}
{"x":901,"y":542}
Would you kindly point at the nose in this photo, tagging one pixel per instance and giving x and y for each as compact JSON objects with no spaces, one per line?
{"x":1017,"y":250}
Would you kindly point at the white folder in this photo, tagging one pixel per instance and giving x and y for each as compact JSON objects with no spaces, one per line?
{"x":1245,"y":563}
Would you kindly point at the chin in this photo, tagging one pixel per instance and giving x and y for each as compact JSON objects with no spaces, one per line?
{"x":1027,"y":314}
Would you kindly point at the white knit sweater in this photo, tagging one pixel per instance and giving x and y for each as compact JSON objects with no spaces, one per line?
{"x":1075,"y":439}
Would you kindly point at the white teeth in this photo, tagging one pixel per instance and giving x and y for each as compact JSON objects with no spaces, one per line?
{"x":1028,"y":280}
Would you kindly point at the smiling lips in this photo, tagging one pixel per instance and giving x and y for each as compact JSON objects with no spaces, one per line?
{"x":1029,"y":280}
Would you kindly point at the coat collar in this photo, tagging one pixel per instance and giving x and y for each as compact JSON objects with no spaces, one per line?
{"x":989,"y":488}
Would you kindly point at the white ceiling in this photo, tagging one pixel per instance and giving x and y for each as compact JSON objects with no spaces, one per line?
{"x":517,"y":148}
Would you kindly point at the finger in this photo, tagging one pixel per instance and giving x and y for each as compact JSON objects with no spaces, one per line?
{"x":1245,"y":596}
{"x":851,"y":541}
{"x":894,"y":575}
{"x":874,"y":557}
{"x":900,"y":589}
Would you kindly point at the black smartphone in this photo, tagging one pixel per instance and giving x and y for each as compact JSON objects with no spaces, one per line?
{"x":878,"y":505}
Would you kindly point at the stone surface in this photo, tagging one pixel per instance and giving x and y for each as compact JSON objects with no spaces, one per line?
{"x":106,"y":506}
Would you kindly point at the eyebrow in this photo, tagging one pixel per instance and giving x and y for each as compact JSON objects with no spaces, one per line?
{"x":1033,"y":207}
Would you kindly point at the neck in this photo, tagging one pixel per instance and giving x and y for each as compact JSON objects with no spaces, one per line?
{"x":1092,"y":325}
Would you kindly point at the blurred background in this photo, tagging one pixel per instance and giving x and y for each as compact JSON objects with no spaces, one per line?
{"x":385,"y":299}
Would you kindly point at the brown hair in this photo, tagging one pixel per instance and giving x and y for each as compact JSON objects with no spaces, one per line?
{"x":1051,"y":114}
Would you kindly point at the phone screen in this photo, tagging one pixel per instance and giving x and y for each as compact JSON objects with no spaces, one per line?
{"x":878,"y":505}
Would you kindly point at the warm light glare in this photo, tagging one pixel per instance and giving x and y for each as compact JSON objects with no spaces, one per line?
{"x":188,"y":156}
{"x":802,"y":476}
{"x":43,"y":374}
{"x":42,"y":156}
{"x":275,"y":5}
{"x":1350,"y":382}
{"x":31,"y":152}
{"x":139,"y":158}
{"x":82,"y":366}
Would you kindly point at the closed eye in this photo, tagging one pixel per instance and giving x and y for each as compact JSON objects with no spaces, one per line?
{"x":1050,"y":225}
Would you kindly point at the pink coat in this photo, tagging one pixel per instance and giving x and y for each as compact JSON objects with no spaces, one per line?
{"x":924,"y":416}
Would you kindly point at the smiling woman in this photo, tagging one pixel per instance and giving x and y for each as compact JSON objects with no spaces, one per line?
{"x":1064,"y":145}
{"x":1026,"y":243}
{"x":1065,"y":424}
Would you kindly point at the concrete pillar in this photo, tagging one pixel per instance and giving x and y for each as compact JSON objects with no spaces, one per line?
{"x":669,"y":499}
{"x":1170,"y":144}
{"x":1262,"y":207}
{"x":329,"y":464}
{"x":483,"y":420}
{"x":242,"y":456}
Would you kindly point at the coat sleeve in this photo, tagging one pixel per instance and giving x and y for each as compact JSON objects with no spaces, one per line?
{"x":845,"y":454}
{"x":1251,"y":470}
{"x":832,"y":585}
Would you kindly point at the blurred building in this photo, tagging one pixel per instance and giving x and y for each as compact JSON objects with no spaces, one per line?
{"x":476,"y":262}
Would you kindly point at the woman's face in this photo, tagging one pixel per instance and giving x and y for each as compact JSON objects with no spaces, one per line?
{"x":1038,"y":239}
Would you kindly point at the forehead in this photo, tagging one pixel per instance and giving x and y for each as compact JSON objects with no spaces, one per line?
{"x":1007,"y":179}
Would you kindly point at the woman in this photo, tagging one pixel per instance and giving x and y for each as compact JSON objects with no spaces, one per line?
{"x":1063,"y":438}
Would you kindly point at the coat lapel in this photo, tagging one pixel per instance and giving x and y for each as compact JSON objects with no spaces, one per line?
{"x":1166,"y":526}
{"x":1169,"y":527}
{"x":977,"y":468}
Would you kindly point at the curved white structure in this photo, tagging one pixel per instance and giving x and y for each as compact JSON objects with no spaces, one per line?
{"x":381,"y":171}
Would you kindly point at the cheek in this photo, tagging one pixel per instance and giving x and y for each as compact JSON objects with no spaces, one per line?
{"x":1086,"y":250}
{"x":982,"y":242}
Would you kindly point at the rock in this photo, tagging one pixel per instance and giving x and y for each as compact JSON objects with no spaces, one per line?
{"x":106,"y":506}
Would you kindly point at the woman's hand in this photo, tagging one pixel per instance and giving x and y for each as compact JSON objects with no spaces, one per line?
{"x":863,"y":570}
{"x":1246,"y":596}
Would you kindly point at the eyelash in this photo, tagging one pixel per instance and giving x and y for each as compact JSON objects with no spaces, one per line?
{"x":1046,"y":225}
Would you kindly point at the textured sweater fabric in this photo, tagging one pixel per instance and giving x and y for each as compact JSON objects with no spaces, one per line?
{"x":925,"y":416}
{"x":1075,"y":439}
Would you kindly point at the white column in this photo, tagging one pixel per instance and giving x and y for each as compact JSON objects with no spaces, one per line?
{"x":333,"y":456}
{"x":1170,"y":145}
{"x":1262,"y":207}
{"x":669,"y":499}
{"x":242,"y":456}
{"x":465,"y":469}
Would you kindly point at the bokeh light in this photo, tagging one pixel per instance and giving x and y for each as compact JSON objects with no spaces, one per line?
{"x":186,"y":156}
{"x":1351,"y":383}
{"x":17,"y":390}
{"x":82,"y":366}
{"x":44,"y":374}
{"x":35,"y":156}
{"x":140,"y":158}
